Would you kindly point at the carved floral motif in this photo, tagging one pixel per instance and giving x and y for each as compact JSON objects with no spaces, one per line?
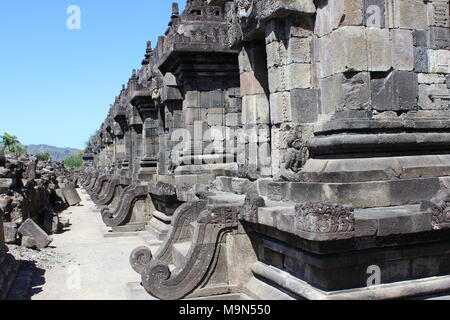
{"x":324,"y":218}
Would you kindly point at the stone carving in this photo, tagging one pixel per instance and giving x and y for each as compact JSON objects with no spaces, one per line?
{"x":108,"y":195}
{"x":324,"y":218}
{"x":179,"y":231}
{"x":211,"y":226}
{"x":439,"y":207}
{"x":161,"y":188}
{"x":129,"y":196}
{"x":249,"y":211}
{"x":99,"y":184}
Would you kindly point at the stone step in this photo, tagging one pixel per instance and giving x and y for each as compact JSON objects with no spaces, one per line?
{"x":180,"y":251}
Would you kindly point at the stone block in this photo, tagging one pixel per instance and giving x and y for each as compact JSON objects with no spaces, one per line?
{"x":299,"y":50}
{"x":402,"y":49}
{"x":10,"y":232}
{"x":280,"y":107}
{"x":332,"y":14}
{"x":410,"y":14}
{"x":233,"y":119}
{"x":277,"y":54}
{"x":396,"y":90}
{"x":438,"y":61}
{"x":420,"y":38}
{"x":252,"y":83}
{"x":433,"y":96}
{"x":439,"y":38}
{"x":5,"y":185}
{"x":378,"y":49}
{"x":438,"y":13}
{"x":298,"y":75}
{"x":428,"y":78}
{"x":71,"y":195}
{"x":420,"y":59}
{"x":277,"y":79}
{"x":350,"y":47}
{"x":255,"y":109}
{"x":215,"y":119}
{"x":305,"y":105}
{"x":30,"y":229}
{"x":352,"y":91}
{"x":191,"y":99}
{"x":28,"y":242}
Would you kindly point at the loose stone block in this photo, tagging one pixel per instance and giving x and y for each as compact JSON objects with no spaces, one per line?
{"x":10,"y":232}
{"x":5,"y":184}
{"x":28,"y":242}
{"x":402,"y":50}
{"x":30,"y":229}
{"x":71,"y":195}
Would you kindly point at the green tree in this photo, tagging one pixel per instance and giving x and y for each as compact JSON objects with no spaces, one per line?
{"x":74,"y":162}
{"x":43,"y":156}
{"x":12,"y":145}
{"x":9,"y":142}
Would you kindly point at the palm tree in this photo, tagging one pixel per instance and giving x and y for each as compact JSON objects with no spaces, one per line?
{"x":9,"y":142}
{"x":12,"y":145}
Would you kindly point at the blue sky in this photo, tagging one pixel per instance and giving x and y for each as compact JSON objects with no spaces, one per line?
{"x":56,"y":84}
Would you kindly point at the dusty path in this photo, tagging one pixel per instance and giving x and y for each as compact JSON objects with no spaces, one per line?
{"x":97,"y":268}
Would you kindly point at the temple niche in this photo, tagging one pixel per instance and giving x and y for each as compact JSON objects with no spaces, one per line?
{"x":273,"y":149}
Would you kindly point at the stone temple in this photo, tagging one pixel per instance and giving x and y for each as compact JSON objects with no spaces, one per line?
{"x":284,"y":149}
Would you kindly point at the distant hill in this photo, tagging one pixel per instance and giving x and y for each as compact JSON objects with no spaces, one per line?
{"x":57,"y":154}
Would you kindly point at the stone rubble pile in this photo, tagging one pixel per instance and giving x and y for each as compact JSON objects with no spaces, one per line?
{"x":35,"y":190}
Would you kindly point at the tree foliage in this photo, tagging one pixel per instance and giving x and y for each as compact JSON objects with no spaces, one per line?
{"x":43,"y":156}
{"x":74,"y":162}
{"x":12,"y":145}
